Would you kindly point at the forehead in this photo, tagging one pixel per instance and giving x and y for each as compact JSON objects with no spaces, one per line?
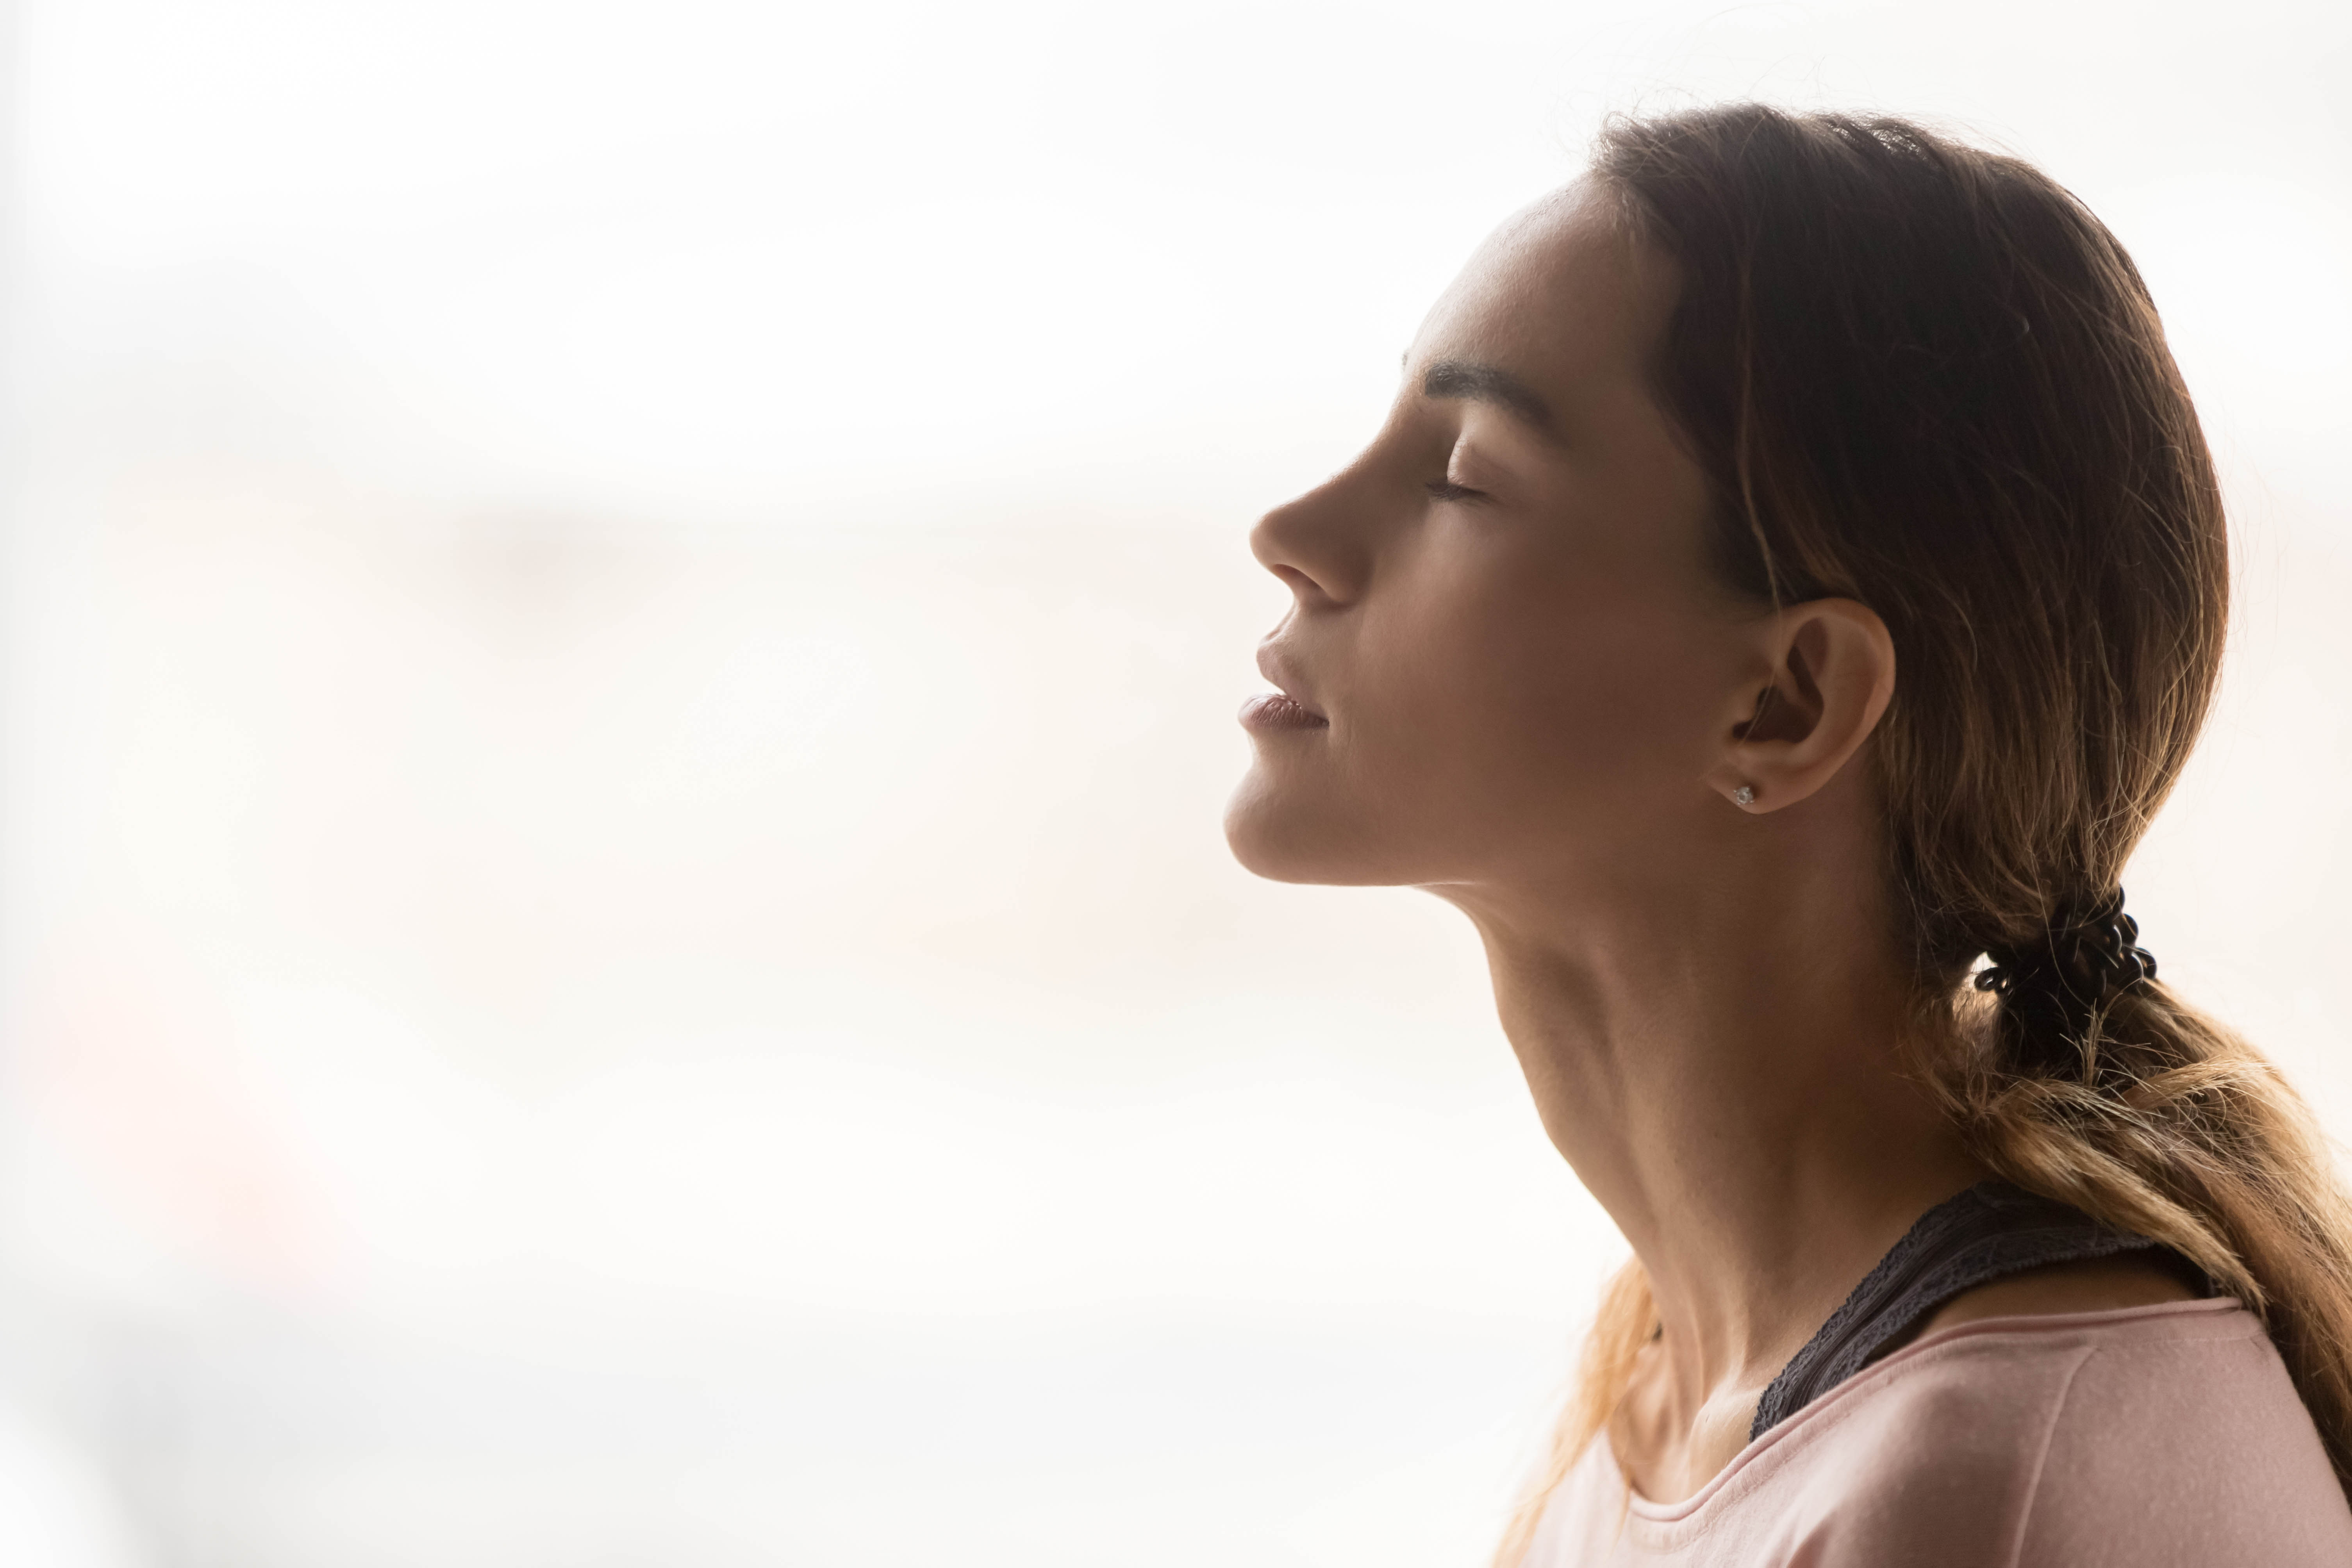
{"x":1564,"y":296}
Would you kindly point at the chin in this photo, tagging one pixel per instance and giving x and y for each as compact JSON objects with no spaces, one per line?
{"x":1284,"y":839}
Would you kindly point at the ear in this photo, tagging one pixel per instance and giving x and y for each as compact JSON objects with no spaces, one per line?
{"x":1830,"y":674}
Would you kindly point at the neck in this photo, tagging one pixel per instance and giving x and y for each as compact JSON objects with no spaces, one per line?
{"x":1723,"y":1072}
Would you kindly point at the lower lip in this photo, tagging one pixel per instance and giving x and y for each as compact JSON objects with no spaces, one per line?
{"x":1273,"y":710}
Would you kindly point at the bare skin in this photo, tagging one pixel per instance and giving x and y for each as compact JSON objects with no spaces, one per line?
{"x":1515,"y":680}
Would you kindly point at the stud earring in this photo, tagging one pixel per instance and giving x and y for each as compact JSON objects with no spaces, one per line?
{"x":1744,"y":796}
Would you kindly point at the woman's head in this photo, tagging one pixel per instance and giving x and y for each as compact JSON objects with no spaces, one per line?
{"x":1818,"y":405}
{"x":1515,"y":654}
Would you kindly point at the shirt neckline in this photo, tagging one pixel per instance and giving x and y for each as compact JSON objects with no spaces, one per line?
{"x":1878,"y":1371}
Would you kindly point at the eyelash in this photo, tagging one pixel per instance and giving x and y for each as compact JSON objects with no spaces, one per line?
{"x":1446,"y":489}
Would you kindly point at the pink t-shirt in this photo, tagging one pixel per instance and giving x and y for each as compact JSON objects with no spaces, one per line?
{"x":2146,"y":1438}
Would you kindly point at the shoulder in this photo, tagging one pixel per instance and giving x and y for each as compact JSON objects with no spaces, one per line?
{"x":2181,"y":1438}
{"x":2145,"y":1436}
{"x":2151,"y":1434}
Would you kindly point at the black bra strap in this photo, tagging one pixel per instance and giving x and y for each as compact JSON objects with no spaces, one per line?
{"x":1991,"y":1230}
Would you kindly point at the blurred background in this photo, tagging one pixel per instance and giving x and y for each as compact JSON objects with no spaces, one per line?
{"x":619,"y":626}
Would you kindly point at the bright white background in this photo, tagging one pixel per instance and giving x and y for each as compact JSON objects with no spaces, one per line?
{"x":621,"y":626}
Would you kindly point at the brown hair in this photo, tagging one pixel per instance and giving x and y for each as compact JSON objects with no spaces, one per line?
{"x":1924,"y":376}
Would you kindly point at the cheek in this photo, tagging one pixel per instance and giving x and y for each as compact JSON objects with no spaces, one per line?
{"x":1530,"y":691}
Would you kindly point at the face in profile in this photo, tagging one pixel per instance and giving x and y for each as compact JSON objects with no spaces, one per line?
{"x":1507,"y":658}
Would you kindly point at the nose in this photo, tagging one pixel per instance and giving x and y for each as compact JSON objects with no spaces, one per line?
{"x":1315,"y":545}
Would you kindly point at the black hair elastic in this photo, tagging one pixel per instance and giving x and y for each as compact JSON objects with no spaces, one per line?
{"x":2052,"y":985}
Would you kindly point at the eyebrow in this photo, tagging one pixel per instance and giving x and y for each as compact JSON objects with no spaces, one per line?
{"x":1486,"y":383}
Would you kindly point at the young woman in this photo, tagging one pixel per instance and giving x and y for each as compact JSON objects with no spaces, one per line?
{"x":1789,"y":581}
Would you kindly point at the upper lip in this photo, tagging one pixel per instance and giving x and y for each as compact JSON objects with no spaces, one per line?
{"x":1275,"y":665}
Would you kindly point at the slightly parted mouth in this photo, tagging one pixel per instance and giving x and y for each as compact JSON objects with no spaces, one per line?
{"x":1283,"y":708}
{"x":1277,"y":710}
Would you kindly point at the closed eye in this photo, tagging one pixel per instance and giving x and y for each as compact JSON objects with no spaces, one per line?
{"x":1446,"y":489}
